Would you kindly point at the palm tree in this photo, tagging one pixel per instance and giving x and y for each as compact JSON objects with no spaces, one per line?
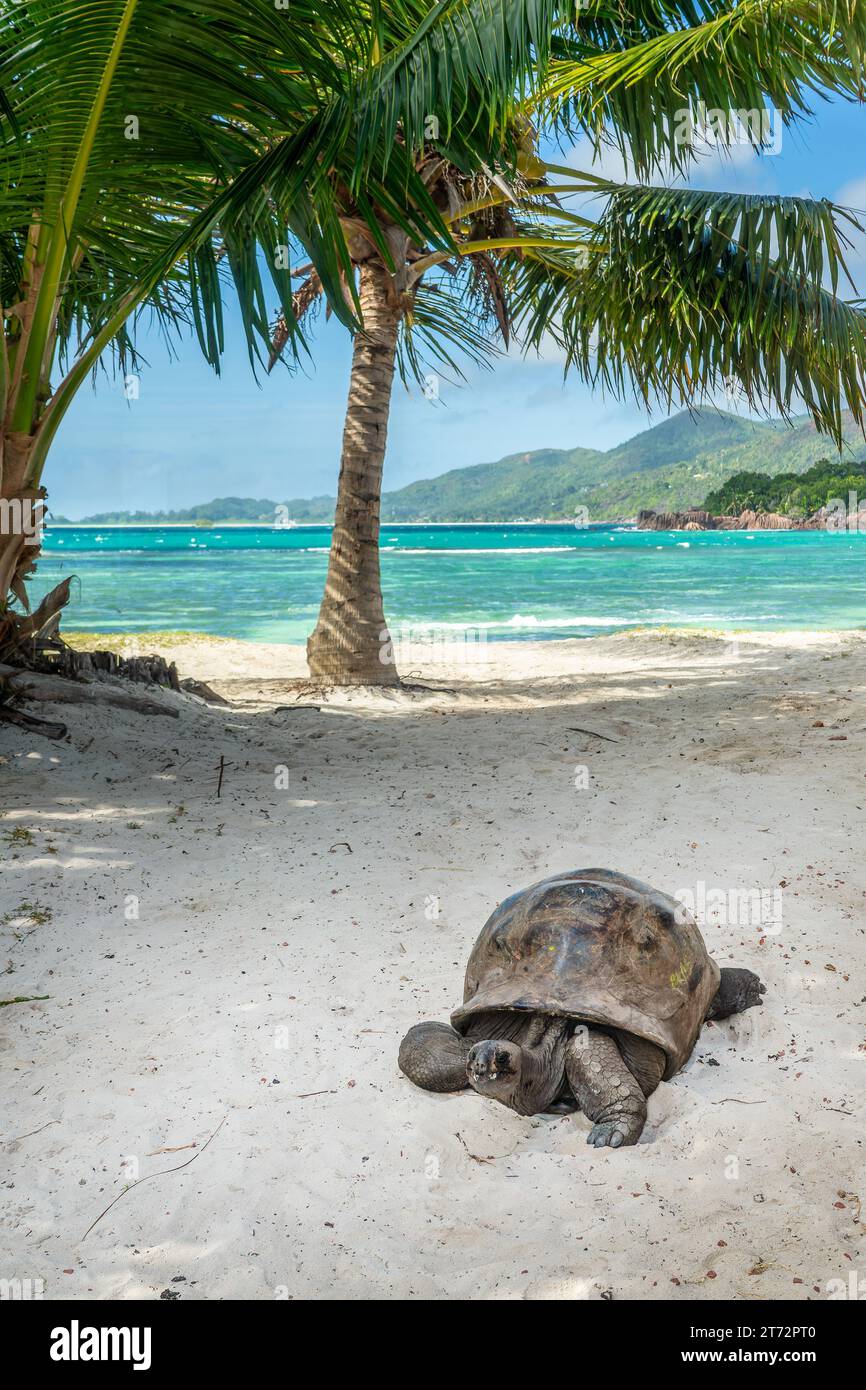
{"x":138,"y":140}
{"x":669,"y":292}
{"x":120,"y":122}
{"x":152,"y":152}
{"x":419,"y":305}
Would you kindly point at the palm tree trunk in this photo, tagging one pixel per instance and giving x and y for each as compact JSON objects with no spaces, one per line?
{"x":350,"y":644}
{"x":20,"y":506}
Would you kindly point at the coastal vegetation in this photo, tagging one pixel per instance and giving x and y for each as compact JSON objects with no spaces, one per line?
{"x":795,"y":495}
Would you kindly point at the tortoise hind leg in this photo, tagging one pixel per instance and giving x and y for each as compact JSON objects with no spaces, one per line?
{"x":434,"y":1056}
{"x":606,"y":1089}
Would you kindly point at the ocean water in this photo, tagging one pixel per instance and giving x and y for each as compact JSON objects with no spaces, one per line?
{"x":516,"y":582}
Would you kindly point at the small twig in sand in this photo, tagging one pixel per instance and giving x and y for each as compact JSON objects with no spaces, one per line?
{"x":23,"y":999}
{"x":178,"y":1148}
{"x":31,"y":1132}
{"x":476,"y":1158}
{"x":422,"y":686}
{"x":341,"y":844}
{"x":736,"y":1100}
{"x":305,"y":1095}
{"x":221,"y":771}
{"x":575,"y":729}
{"x":161,"y":1174}
{"x":852,"y":1197}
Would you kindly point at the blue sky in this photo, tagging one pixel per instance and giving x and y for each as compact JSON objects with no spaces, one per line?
{"x":191,"y":436}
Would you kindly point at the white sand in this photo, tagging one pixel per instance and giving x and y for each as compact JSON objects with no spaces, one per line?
{"x":269,"y":961}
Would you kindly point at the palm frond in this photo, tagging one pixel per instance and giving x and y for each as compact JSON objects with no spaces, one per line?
{"x":447,"y":331}
{"x":681,"y":294}
{"x":632,"y":72}
{"x":458,"y":64}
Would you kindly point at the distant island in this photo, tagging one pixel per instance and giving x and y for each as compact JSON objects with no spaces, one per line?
{"x":826,"y":497}
{"x":685,"y":462}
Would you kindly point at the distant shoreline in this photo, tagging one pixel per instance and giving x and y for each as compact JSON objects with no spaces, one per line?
{"x":186,"y":646}
{"x":307,"y":525}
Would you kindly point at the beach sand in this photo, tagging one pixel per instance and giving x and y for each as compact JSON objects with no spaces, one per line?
{"x":243,"y":965}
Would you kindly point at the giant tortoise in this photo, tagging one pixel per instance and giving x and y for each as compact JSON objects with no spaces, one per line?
{"x":582,"y":992}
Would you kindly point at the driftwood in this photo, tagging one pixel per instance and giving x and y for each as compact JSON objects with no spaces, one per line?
{"x":34,"y":685}
{"x":56,"y":659}
{"x":203,"y":691}
{"x":20,"y":631}
{"x":10,"y":715}
{"x":36,"y":664}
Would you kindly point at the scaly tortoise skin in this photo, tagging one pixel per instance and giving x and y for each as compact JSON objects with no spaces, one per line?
{"x":583,"y":992}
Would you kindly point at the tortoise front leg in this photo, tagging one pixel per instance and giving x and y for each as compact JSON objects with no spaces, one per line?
{"x":605,"y":1089}
{"x":434,"y":1056}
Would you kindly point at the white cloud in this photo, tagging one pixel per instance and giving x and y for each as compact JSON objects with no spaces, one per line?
{"x":853,"y":194}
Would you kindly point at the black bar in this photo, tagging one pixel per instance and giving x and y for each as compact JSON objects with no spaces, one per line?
{"x":648,"y":1338}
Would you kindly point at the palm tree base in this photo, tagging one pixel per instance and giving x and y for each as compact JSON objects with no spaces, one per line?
{"x":362,"y":657}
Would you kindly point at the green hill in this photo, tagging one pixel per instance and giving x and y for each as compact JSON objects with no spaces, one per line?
{"x":669,"y":467}
{"x":539,"y":483}
{"x":769,"y":448}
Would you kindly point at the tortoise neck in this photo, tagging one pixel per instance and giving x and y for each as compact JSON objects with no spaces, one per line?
{"x":542,"y":1069}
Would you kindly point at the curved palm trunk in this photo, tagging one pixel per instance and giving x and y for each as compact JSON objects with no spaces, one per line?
{"x":350,"y":644}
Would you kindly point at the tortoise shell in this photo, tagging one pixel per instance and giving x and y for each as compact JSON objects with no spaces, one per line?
{"x":599,"y":947}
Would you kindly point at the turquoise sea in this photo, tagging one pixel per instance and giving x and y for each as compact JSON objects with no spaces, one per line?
{"x":518,"y":582}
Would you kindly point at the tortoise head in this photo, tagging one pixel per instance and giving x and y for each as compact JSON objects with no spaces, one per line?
{"x":495,"y":1068}
{"x":527,"y":1074}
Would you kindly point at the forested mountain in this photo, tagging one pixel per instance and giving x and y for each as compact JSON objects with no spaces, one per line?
{"x":670,"y":467}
